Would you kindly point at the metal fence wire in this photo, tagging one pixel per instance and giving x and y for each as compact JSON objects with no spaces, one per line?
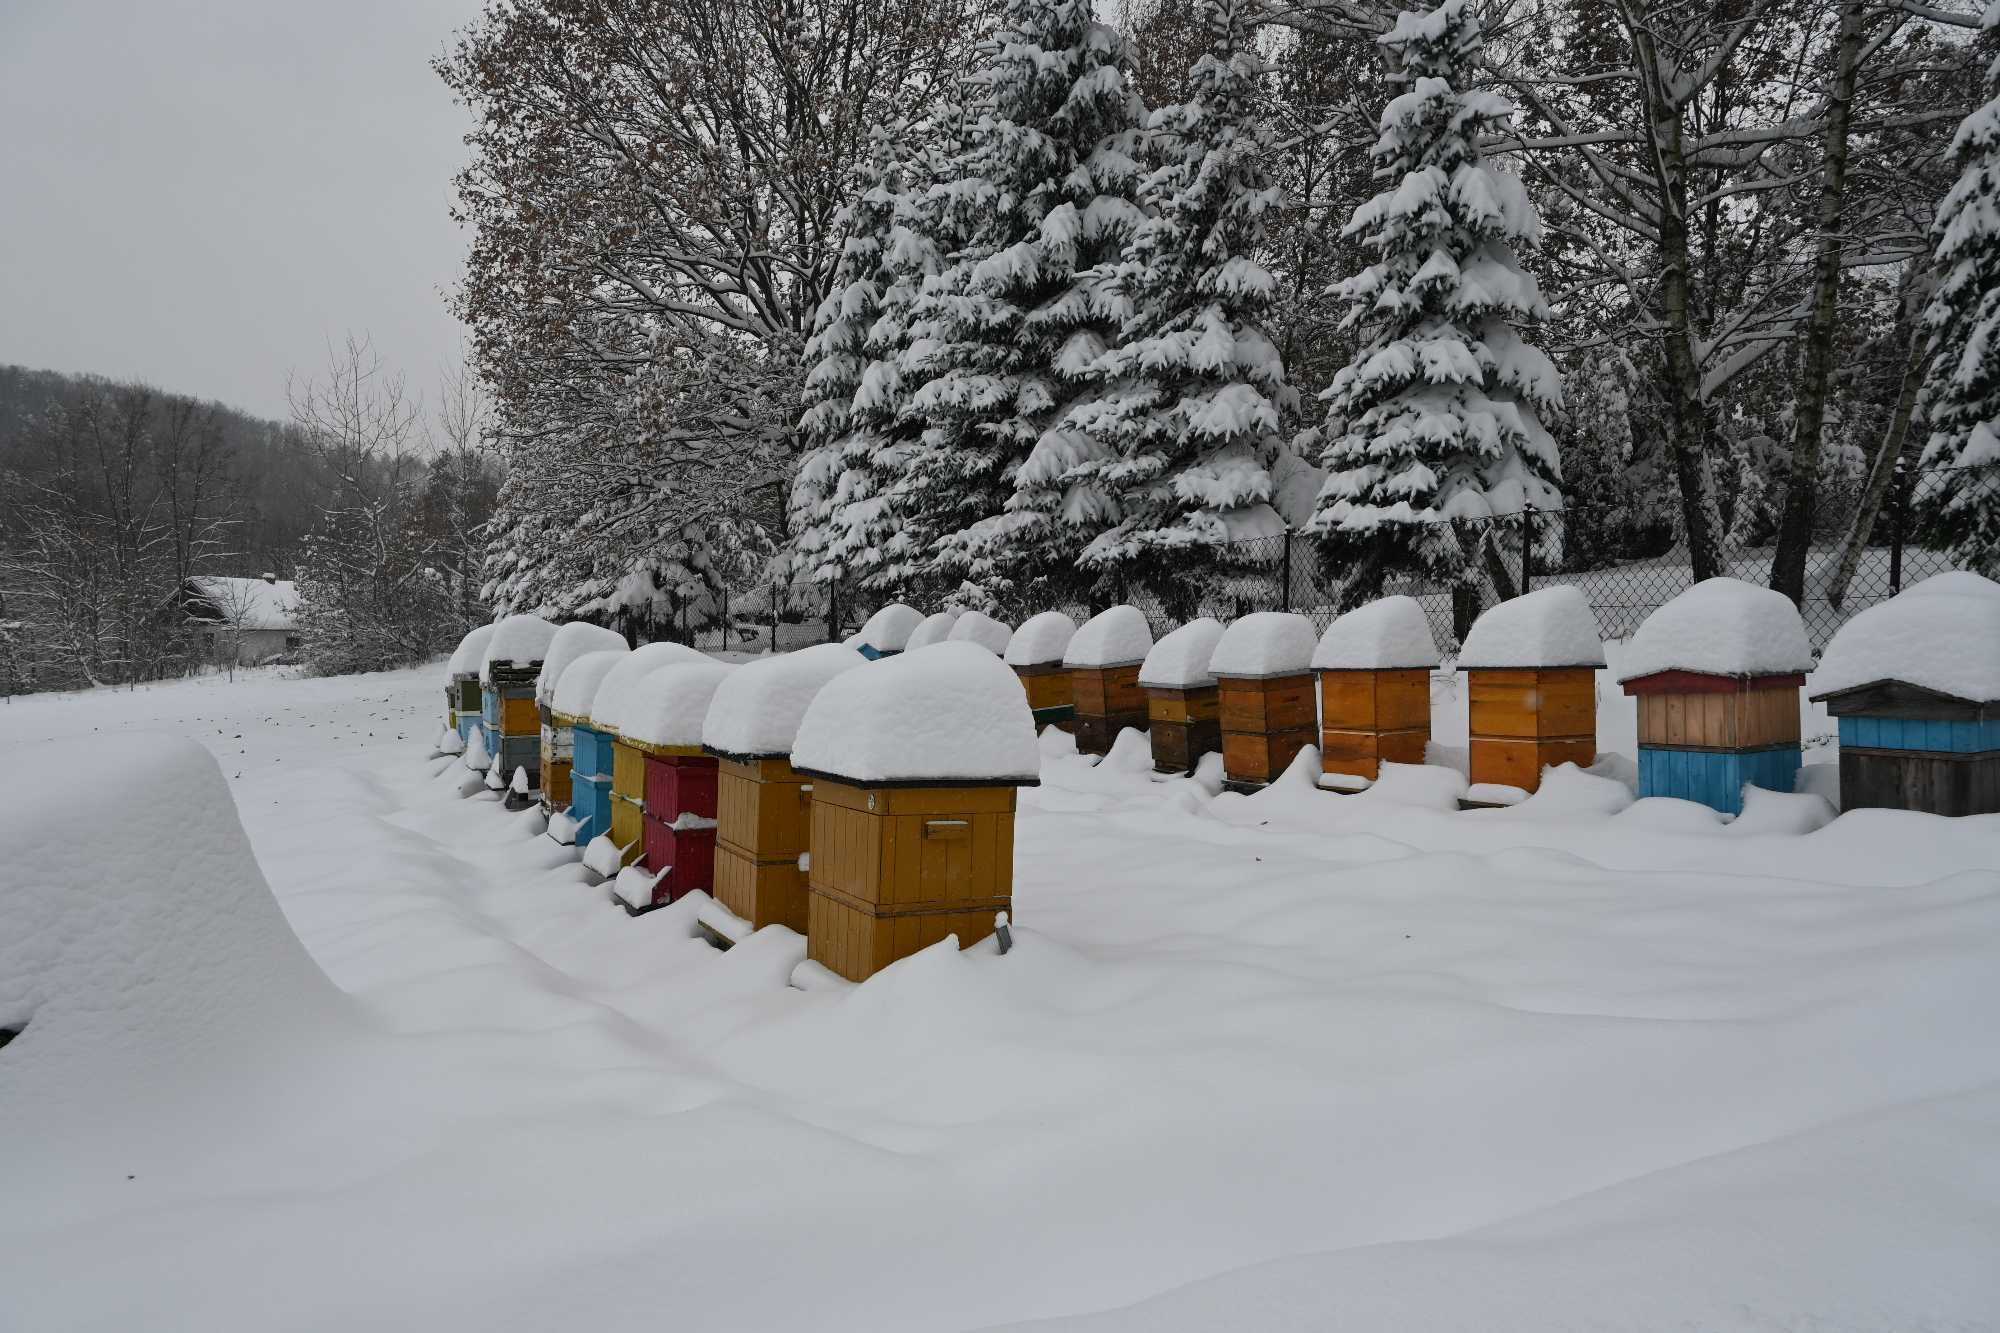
{"x":1626,"y":568}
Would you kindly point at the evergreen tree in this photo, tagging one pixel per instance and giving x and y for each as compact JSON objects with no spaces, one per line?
{"x":1437,"y":417}
{"x":1961,"y":513}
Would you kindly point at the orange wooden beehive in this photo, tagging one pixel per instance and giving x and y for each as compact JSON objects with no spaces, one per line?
{"x":1103,"y":659}
{"x":1265,"y":689}
{"x":1531,"y":688}
{"x":1036,"y":654}
{"x":1183,"y":702}
{"x":1374,"y":667}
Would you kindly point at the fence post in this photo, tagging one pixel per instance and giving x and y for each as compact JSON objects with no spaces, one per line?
{"x":833,"y":611}
{"x":1285,"y":578}
{"x":725,"y":618}
{"x":1899,"y":504}
{"x":774,"y":618}
{"x":1527,"y":548}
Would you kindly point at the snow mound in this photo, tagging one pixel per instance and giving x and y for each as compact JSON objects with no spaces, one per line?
{"x":1721,"y":627}
{"x":1043,"y":638}
{"x":470,"y":653}
{"x":1180,"y":660}
{"x":614,"y":692}
{"x":1567,"y":791}
{"x":477,"y":756}
{"x":1550,"y":627}
{"x":1264,"y":643}
{"x":757,"y":710}
{"x":1117,"y":637}
{"x":1783,"y":813}
{"x":1671,"y":814}
{"x":934,"y":630}
{"x":954,"y":712}
{"x":1954,"y":583}
{"x":581,"y":679}
{"x":1425,"y":785}
{"x":450,"y":742}
{"x":982,"y":629}
{"x":670,"y":706}
{"x":1947,"y":641}
{"x":518,"y":640}
{"x":889,"y":630}
{"x":603,"y":856}
{"x":577,"y":639}
{"x":1391,"y":634}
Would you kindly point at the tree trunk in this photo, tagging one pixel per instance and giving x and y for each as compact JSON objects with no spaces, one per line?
{"x":1883,"y":470}
{"x":1788,"y":564}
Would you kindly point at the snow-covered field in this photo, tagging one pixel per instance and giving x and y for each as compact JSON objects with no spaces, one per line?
{"x":1293,"y":1062}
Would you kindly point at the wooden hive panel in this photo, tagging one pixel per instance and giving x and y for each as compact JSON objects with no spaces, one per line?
{"x":765,"y":807}
{"x":1179,"y":746}
{"x":764,"y":893}
{"x":628,"y":772}
{"x":1197,"y":705}
{"x":1048,"y":686}
{"x":1936,"y":783}
{"x":856,"y":940}
{"x":913,"y":847}
{"x":518,"y":714}
{"x":687,"y":855}
{"x":1519,"y":763}
{"x":1527,"y":704}
{"x":1361,"y":754}
{"x":1375,"y":700}
{"x":555,"y":783}
{"x":1272,"y":704}
{"x":628,"y":826}
{"x":1259,"y":757}
{"x":680,"y":785}
{"x":1108,"y":691}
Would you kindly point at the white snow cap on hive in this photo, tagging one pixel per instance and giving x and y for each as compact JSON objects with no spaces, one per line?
{"x":934,"y":629}
{"x":1117,"y":637}
{"x":670,"y":706}
{"x":517,"y":639}
{"x":982,"y":629}
{"x":889,"y":630}
{"x":571,"y":642}
{"x":1180,"y":660}
{"x":1943,"y":640}
{"x":577,"y":690}
{"x":1721,"y":627}
{"x":955,"y":712}
{"x":1265,"y":643}
{"x":1390,"y":634}
{"x":1550,"y":627}
{"x":470,"y":653}
{"x":615,"y":690}
{"x":1954,"y":583}
{"x":757,"y":710}
{"x":1043,"y":638}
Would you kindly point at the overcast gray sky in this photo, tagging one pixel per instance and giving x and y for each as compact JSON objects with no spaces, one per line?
{"x":201,"y":195}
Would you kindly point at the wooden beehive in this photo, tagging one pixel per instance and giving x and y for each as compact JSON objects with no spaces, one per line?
{"x":1266,"y":721}
{"x":1051,"y":694}
{"x":1184,"y":725}
{"x":677,"y":810}
{"x":1371,"y":717}
{"x":628,"y":799}
{"x":1521,"y":720}
{"x":763,"y":828}
{"x":557,"y":751}
{"x":1906,"y":747}
{"x":1107,"y":699}
{"x":1702,"y":736}
{"x":590,"y":798}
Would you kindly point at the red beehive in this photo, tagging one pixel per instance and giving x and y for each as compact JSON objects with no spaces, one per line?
{"x":663,"y":722}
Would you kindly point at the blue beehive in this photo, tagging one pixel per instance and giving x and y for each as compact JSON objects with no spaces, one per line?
{"x":588,"y":812}
{"x":887,"y":631}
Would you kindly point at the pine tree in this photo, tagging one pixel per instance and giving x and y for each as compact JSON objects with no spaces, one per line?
{"x":1438,"y":416}
{"x":1961,"y":513}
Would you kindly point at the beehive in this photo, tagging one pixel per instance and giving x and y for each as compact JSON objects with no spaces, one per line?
{"x":463,"y":696}
{"x":1183,"y":702}
{"x":508,"y":673}
{"x":590,"y":781}
{"x":914,"y":766}
{"x":1036,"y":653}
{"x":604,"y":753}
{"x":1531,"y":688}
{"x":1262,"y":667}
{"x":557,"y":749}
{"x":1374,"y":666}
{"x":887,"y":631}
{"x":661,"y":722}
{"x":1103,"y":659}
{"x":573,"y":644}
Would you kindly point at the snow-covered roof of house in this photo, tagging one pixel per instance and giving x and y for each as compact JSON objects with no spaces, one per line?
{"x":1943,"y":640}
{"x":471,"y":651}
{"x":1118,"y":636}
{"x":571,"y":642}
{"x":1721,"y":627}
{"x":889,"y":629}
{"x":1179,"y":661}
{"x":953,"y":713}
{"x":933,"y":629}
{"x":250,"y":603}
{"x":519,"y":639}
{"x":577,"y":691}
{"x":1042,"y":639}
{"x":1388,"y":634}
{"x":606,"y":710}
{"x":982,"y":629}
{"x":757,"y":711}
{"x":1264,"y":644}
{"x":1549,"y":627}
{"x":669,"y":706}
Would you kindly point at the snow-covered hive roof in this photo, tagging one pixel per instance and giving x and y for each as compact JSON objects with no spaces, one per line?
{"x":1954,"y":583}
{"x":1179,"y":661}
{"x":1550,"y":627}
{"x":669,"y":707}
{"x":934,"y":629}
{"x":756,"y":712}
{"x":953,"y":715}
{"x":518,"y":640}
{"x":577,"y":690}
{"x":1118,"y":636}
{"x":889,"y":629}
{"x":572,"y":641}
{"x":982,"y":629}
{"x":1721,"y":627}
{"x":1388,"y":634}
{"x":251,"y":603}
{"x":1945,"y":641}
{"x":1264,"y":644}
{"x":1042,"y":639}
{"x":617,"y":687}
{"x":470,"y":654}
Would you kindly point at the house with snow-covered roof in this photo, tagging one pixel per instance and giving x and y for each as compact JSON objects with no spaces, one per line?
{"x":242,"y":620}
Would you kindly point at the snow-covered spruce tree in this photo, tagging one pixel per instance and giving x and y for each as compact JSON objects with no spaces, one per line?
{"x":1004,"y":338}
{"x":1961,"y":513}
{"x":1181,"y":433}
{"x":1438,"y":416}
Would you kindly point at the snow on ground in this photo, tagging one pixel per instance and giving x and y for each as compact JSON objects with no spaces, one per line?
{"x":1277,"y":1062}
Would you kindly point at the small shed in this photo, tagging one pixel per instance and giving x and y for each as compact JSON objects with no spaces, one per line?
{"x":1103,"y":659}
{"x":914,"y":765}
{"x":243,"y":620}
{"x":662,"y":719}
{"x":1183,"y":707}
{"x":1716,"y":673}
{"x":1263,"y":674}
{"x":625,"y":838}
{"x":763,"y":805}
{"x":463,"y":702}
{"x":1915,"y":686}
{"x":507,"y":676}
{"x":1374,"y":666}
{"x":588,"y":812}
{"x":1036,"y":653}
{"x":572,"y":641}
{"x":1531,"y":667}
{"x":888,"y":631}
{"x":931,"y":630}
